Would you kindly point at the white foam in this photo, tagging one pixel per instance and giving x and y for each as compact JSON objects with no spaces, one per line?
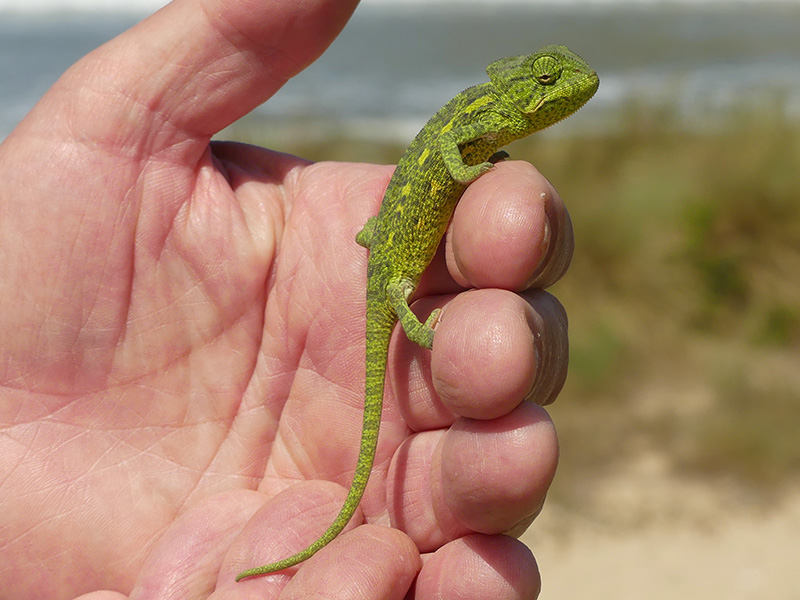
{"x":104,"y":6}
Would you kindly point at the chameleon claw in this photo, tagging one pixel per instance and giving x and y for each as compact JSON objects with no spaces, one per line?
{"x":498,"y":156}
{"x":427,"y":332}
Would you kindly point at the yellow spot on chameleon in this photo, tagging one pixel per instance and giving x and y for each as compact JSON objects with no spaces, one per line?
{"x":477,"y":103}
{"x":423,"y":157}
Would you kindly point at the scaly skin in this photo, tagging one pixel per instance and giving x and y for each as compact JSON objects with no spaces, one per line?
{"x":525,"y":94}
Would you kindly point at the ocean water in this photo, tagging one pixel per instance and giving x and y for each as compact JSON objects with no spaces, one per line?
{"x":397,"y":61}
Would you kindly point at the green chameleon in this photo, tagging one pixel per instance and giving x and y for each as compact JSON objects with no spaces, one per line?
{"x":458,"y":145}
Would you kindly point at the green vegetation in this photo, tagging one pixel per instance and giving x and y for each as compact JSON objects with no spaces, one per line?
{"x":684,"y":294}
{"x":684,"y":299}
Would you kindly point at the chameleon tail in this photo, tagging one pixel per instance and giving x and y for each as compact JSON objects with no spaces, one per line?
{"x":379,"y":333}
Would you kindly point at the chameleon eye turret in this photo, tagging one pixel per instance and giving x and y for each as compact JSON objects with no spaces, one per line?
{"x":547,"y":70}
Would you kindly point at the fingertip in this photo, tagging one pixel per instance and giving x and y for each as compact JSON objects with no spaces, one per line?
{"x":548,"y":323}
{"x":371,"y":557}
{"x":487,"y":363}
{"x":490,"y":567}
{"x":195,"y":66}
{"x":496,"y":474}
{"x":287,"y":523}
{"x":510,"y":230}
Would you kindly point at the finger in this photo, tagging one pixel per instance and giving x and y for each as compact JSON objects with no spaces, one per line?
{"x":286,"y":524}
{"x":479,"y":476}
{"x":495,"y":349}
{"x":480,"y":567}
{"x":367,"y":557}
{"x":495,"y":474}
{"x":192,"y":68}
{"x":510,"y":230}
{"x":368,"y":562}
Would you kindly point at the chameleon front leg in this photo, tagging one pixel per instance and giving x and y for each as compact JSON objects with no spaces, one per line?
{"x":451,"y":153}
{"x":416,"y":331}
{"x":364,"y":237}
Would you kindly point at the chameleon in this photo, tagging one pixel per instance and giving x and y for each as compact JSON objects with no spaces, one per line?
{"x":457,"y":145}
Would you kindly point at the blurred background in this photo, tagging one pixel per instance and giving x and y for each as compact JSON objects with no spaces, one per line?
{"x":679,"y":422}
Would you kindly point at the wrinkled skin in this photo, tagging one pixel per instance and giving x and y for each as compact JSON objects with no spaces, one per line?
{"x":182,"y":333}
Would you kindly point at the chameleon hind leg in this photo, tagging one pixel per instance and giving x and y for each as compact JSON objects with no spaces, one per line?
{"x":364,"y":237}
{"x":416,"y":331}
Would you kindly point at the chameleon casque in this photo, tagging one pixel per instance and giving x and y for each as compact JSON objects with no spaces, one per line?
{"x":459,"y":144}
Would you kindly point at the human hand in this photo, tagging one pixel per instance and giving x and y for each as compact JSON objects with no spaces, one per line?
{"x":182,"y":341}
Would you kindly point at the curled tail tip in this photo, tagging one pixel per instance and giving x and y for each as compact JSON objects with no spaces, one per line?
{"x":333,"y":531}
{"x":278,"y":566}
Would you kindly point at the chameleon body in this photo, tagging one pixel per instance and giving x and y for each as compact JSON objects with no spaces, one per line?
{"x":459,"y":143}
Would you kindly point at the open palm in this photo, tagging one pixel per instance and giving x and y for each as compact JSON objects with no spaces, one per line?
{"x":183,"y":339}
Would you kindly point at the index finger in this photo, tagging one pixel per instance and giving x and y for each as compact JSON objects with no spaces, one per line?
{"x":510,"y":231}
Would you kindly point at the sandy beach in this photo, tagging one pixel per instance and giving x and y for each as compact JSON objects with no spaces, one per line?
{"x":703,"y":544}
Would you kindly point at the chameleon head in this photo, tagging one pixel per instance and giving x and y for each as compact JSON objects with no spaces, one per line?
{"x":547,"y":86}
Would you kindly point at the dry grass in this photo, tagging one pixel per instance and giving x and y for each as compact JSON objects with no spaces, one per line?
{"x":689,"y":342}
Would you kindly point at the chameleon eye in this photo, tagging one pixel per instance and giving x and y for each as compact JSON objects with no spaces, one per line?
{"x":546,"y":69}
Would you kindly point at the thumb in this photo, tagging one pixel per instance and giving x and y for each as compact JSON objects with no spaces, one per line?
{"x":119,"y":145}
{"x":189,"y":70}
